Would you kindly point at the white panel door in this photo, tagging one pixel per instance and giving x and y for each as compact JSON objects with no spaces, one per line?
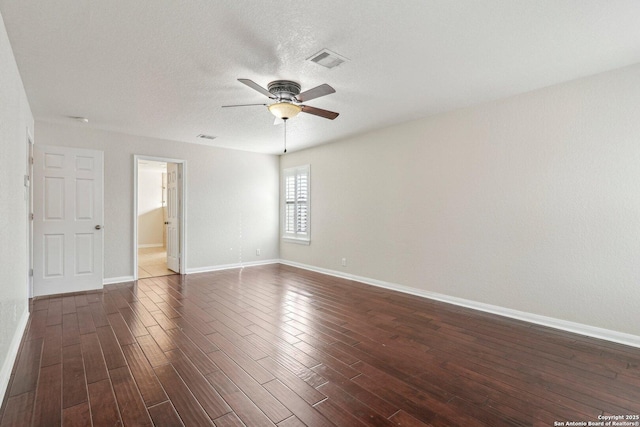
{"x":173,"y":217}
{"x":67,"y":223}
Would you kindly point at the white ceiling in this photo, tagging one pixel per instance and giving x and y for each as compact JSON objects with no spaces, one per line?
{"x":164,"y":68}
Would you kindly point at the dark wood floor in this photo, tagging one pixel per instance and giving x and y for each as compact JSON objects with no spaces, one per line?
{"x":278,"y":345}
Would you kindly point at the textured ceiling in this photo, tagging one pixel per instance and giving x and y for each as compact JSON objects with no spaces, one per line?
{"x":164,"y":68}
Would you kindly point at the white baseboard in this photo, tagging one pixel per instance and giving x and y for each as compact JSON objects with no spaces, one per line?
{"x":12,"y":353}
{"x":564,"y":325}
{"x":113,"y":280}
{"x":230,"y":266}
{"x":150,"y":245}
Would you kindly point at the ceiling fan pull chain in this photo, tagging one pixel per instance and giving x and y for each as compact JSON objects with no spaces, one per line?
{"x":285,"y":135}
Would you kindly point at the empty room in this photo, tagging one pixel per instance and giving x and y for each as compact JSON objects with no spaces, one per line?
{"x":258,"y":213}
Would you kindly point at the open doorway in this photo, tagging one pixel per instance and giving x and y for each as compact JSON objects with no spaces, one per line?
{"x":158,"y":217}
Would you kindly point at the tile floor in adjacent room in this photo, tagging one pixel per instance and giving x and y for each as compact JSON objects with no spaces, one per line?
{"x":152,"y":262}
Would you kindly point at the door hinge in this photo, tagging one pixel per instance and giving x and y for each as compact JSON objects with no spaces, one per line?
{"x":31,"y":216}
{"x":31,"y":272}
{"x":31,"y":159}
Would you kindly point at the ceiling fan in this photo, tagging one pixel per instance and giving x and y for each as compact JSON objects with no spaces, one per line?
{"x":288,"y":99}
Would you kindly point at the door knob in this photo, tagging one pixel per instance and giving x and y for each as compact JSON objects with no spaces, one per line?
{"x":98,"y":227}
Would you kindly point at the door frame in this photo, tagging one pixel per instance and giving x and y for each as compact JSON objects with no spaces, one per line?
{"x":182,"y":224}
{"x":29,"y":195}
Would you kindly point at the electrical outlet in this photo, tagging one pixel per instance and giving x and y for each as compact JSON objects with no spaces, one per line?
{"x":257,"y":252}
{"x":344,"y":262}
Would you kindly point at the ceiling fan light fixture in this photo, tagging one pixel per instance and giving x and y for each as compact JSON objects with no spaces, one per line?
{"x":284,"y":110}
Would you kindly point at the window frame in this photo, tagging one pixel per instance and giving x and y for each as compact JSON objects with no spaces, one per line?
{"x":295,"y":236}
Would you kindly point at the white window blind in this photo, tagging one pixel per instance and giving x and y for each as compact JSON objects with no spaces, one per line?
{"x":296,"y":204}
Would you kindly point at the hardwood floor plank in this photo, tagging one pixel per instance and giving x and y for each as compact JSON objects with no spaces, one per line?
{"x":328,"y":359}
{"x":48,"y":403}
{"x":130,"y":404}
{"x":165,"y":415}
{"x":184,"y":401}
{"x":110,"y":348}
{"x":27,"y":368}
{"x":272,"y":344}
{"x":142,"y":313}
{"x":197,"y":357}
{"x":288,"y":378}
{"x":254,"y":369}
{"x":18,"y":411}
{"x":272,"y":408}
{"x":401,"y":418}
{"x":80,"y":301}
{"x":301,"y":409}
{"x":104,"y":409}
{"x":52,"y":348}
{"x":135,"y":325}
{"x":142,"y":371}
{"x":246,"y":410}
{"x":68,"y":304}
{"x":238,"y":339}
{"x":228,"y":420}
{"x":289,"y":361}
{"x":162,"y":320}
{"x":86,"y":324}
{"x":212,"y":403}
{"x":338,"y":416}
{"x":70,"y":329}
{"x":196,"y":336}
{"x":358,"y":409}
{"x":292,"y":421}
{"x":74,"y":389}
{"x":164,"y":341}
{"x":120,"y":328}
{"x":152,"y":351}
{"x":98,"y":314}
{"x":381,"y":406}
{"x":54,"y":312}
{"x":77,"y":416}
{"x":94,"y":363}
{"x":37,"y":324}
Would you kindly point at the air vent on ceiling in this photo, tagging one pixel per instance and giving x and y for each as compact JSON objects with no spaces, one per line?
{"x":203,"y":136}
{"x":327,"y":59}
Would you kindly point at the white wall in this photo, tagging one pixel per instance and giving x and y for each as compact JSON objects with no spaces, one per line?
{"x":150,"y":208}
{"x":530,"y":203}
{"x":232,"y":197}
{"x":16,"y":122}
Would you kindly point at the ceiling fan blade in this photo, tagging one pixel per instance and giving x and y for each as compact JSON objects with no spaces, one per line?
{"x":319,"y":112}
{"x":316,"y":92}
{"x":255,"y":86}
{"x":242,"y":105}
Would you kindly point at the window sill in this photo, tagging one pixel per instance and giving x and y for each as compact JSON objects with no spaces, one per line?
{"x":297,"y":241}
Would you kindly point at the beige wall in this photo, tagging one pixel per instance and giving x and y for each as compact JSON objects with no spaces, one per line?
{"x":530,"y":203}
{"x":232,"y":197}
{"x":16,"y":122}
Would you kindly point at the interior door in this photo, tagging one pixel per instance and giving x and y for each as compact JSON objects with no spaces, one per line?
{"x":68,"y":217}
{"x":173,"y":217}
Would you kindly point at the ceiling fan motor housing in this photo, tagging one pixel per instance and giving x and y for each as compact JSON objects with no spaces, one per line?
{"x":284,"y":89}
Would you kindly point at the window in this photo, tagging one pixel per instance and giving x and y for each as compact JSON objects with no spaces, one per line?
{"x":296,"y":204}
